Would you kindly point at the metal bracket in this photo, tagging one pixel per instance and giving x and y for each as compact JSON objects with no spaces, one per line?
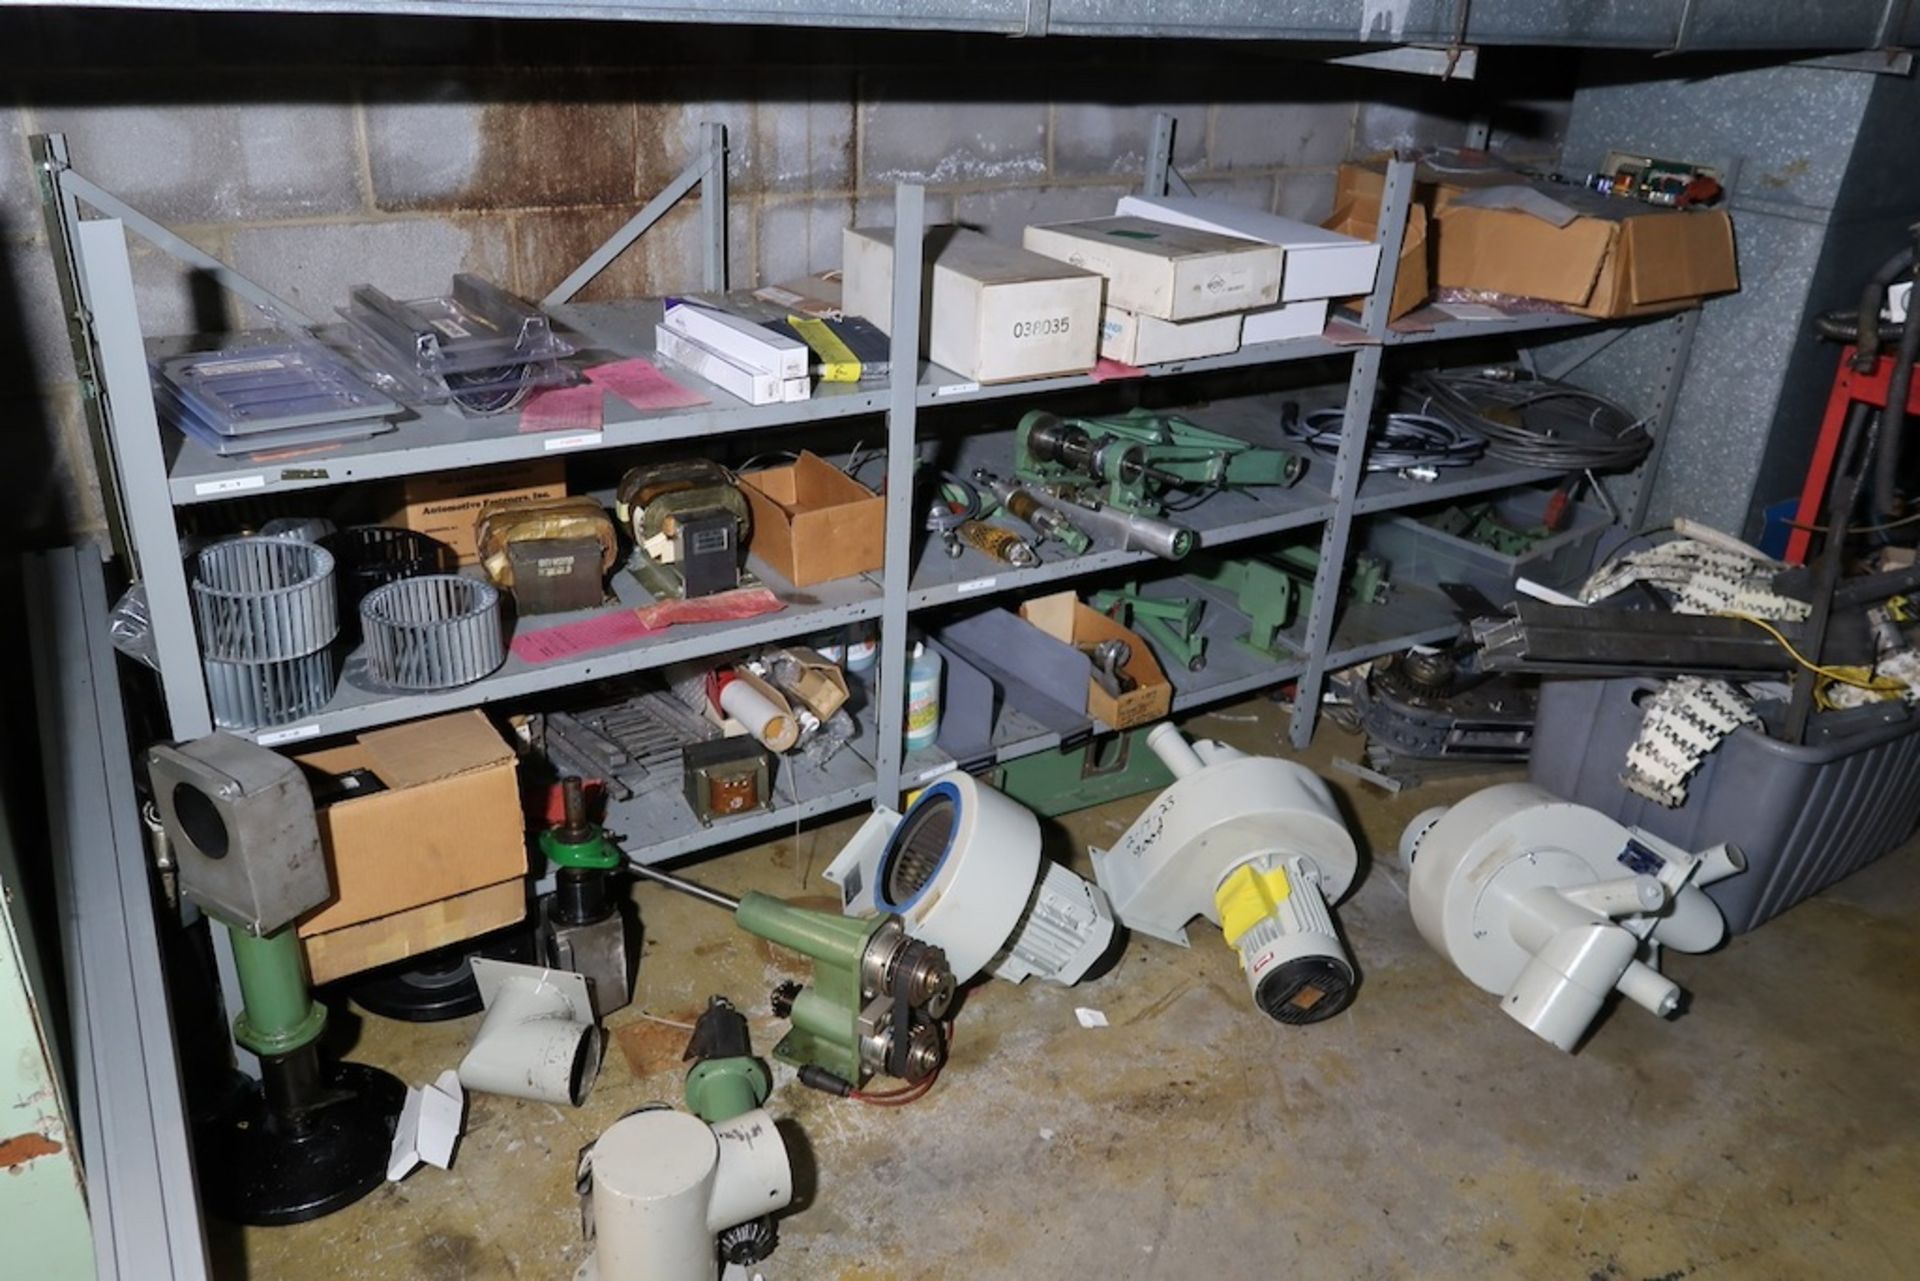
{"x":708,"y":171}
{"x":1457,"y":62}
{"x":1162,"y":178}
{"x":1039,"y":16}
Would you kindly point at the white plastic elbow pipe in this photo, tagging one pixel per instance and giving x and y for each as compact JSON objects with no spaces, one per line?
{"x":538,"y":1040}
{"x":665,"y":1185}
{"x":1173,"y":749}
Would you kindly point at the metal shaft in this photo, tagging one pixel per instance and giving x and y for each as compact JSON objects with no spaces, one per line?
{"x":1163,"y":538}
{"x":690,"y":888}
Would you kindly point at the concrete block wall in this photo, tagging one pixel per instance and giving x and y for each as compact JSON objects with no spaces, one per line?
{"x":317,"y":153}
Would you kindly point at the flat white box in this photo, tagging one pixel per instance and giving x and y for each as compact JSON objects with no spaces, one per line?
{"x":994,"y":313}
{"x":1304,"y":319}
{"x":739,"y":340}
{"x":1165,"y":271}
{"x":1319,"y":263}
{"x":1133,"y":339}
{"x":736,"y":380}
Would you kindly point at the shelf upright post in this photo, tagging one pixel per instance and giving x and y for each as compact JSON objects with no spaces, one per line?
{"x":903,"y":389}
{"x":1162,"y":179}
{"x":713,"y":206}
{"x":107,"y":277}
{"x":1363,"y":381}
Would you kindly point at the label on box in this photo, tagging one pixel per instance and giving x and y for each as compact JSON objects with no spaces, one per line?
{"x":231,"y":485}
{"x":1031,"y":327}
{"x":291,"y":734}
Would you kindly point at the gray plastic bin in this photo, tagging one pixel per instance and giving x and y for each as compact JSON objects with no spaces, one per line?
{"x":1417,"y":552}
{"x":1804,"y":816}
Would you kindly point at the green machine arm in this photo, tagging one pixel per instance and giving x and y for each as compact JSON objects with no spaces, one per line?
{"x":1133,"y":457}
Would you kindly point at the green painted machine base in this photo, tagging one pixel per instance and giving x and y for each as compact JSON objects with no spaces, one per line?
{"x":1103,"y":769}
{"x":718,"y":1090}
{"x":800,"y":1048}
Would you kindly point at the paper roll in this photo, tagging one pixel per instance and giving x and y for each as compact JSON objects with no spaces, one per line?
{"x":776,"y":730}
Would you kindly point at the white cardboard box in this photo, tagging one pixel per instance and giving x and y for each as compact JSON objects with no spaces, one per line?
{"x":1133,"y":339}
{"x":996,"y":312}
{"x":740,"y":340}
{"x":735,"y":379}
{"x":1304,"y":319}
{"x":1166,"y":271}
{"x":1319,"y":263}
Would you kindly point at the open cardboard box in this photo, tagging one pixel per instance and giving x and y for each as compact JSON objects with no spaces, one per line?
{"x":812,"y":522}
{"x":1356,"y":213}
{"x":444,"y":505}
{"x":448,"y":824}
{"x":1063,"y":617}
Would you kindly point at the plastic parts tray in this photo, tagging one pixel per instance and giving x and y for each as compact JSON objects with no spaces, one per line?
{"x":1804,"y":816}
{"x":1416,"y":552}
{"x":238,"y":391}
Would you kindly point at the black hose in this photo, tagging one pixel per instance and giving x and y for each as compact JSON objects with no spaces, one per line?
{"x":1844,"y":326}
{"x":1873,"y":296}
{"x":1886,"y":477}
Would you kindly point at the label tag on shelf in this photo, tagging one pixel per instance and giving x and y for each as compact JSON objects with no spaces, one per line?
{"x":977,"y":585}
{"x":955,"y":389}
{"x":291,"y":734}
{"x":578,"y":440}
{"x":935,"y":771}
{"x":229,"y":485}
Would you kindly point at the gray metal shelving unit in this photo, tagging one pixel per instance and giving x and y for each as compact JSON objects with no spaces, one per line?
{"x":157,"y":474}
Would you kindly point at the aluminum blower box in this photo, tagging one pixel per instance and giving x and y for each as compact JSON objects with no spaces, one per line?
{"x":437,"y":855}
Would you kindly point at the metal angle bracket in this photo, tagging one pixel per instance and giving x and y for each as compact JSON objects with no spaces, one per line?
{"x":1162,"y":179}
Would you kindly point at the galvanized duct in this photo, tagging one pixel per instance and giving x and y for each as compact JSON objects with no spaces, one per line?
{"x":432,"y":632}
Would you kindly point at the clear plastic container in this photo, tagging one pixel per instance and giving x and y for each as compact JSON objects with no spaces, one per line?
{"x":478,"y":346}
{"x":237,"y":391}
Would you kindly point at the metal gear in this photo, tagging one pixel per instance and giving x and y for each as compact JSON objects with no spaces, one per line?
{"x":749,"y":1242}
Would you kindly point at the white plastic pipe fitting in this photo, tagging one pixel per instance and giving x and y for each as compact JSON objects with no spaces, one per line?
{"x":666,"y":1184}
{"x":538,"y":1040}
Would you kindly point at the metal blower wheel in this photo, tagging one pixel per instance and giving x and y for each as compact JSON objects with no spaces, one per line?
{"x":263,"y":600}
{"x":917,"y":851}
{"x":437,"y":631}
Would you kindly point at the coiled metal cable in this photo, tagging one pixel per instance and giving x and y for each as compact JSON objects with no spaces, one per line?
{"x":1395,"y":442}
{"x":1537,"y":422}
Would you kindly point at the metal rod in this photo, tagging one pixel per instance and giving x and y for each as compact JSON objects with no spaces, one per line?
{"x":693,"y":889}
{"x":631,"y":230}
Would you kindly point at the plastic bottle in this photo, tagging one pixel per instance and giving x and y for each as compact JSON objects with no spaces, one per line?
{"x":923,"y":697}
{"x":863,"y":647}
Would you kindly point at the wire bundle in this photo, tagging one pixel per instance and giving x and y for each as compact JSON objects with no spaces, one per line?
{"x":1537,"y":422}
{"x":1396,"y":442}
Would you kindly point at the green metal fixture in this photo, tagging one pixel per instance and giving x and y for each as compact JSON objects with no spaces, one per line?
{"x":877,"y":996}
{"x":1132,"y":459}
{"x":1172,"y":625}
{"x":726,"y":1080}
{"x":1274,"y":589}
{"x":1102,"y":769}
{"x":279,"y":1014}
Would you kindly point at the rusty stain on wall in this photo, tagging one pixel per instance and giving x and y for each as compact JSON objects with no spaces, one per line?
{"x":15,"y":1152}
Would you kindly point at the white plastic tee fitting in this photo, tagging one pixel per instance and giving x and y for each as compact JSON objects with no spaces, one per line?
{"x":538,"y":1040}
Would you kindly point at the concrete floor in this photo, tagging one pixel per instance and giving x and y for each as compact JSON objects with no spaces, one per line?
{"x":1772,"y":1131}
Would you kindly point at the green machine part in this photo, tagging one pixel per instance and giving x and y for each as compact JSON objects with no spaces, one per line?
{"x":726,"y":1080}
{"x":1134,"y":456}
{"x":1102,"y":769}
{"x":278,"y":1013}
{"x":825,"y":1013}
{"x":1274,"y":589}
{"x":1172,"y":625}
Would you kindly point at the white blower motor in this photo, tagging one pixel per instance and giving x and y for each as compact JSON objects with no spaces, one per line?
{"x":964,"y":870}
{"x":1551,"y":905}
{"x":1255,"y":845}
{"x":666,"y":1186}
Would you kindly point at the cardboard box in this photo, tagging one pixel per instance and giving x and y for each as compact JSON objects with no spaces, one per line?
{"x":449,"y":821}
{"x":1134,"y":339}
{"x":417,"y":931}
{"x":817,"y":295}
{"x":1304,"y":319}
{"x":1063,"y":617}
{"x":1356,"y":213}
{"x":1166,"y":271}
{"x":812,"y":522}
{"x":1316,"y":262}
{"x":822,"y":685}
{"x":444,"y":504}
{"x":994,"y":312}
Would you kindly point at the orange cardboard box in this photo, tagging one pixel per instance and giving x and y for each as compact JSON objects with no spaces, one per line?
{"x":416,"y":931}
{"x":1063,"y":617}
{"x":443,"y":505}
{"x":812,"y":522}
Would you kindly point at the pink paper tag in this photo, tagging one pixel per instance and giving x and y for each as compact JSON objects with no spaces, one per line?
{"x":569,"y":640}
{"x":563,"y":409}
{"x":1105,"y":370}
{"x":638,"y":383}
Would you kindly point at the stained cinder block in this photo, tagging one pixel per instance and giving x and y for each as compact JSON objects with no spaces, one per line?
{"x":34,"y":348}
{"x":799,"y":237}
{"x":1094,"y":135}
{"x":931,"y":128}
{"x":19,"y":188}
{"x":1003,"y":215}
{"x":803,"y":130}
{"x":313,"y":266}
{"x":667,"y":128}
{"x":507,"y":142}
{"x":48,"y":438}
{"x":1415,"y":121}
{"x":668,"y":257}
{"x":1296,"y":134}
{"x":246,"y":157}
{"x":1253,"y":191}
{"x":1304,"y":194}
{"x":876,"y":209}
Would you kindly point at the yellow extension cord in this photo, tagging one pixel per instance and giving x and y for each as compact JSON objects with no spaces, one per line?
{"x":1858,"y":677}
